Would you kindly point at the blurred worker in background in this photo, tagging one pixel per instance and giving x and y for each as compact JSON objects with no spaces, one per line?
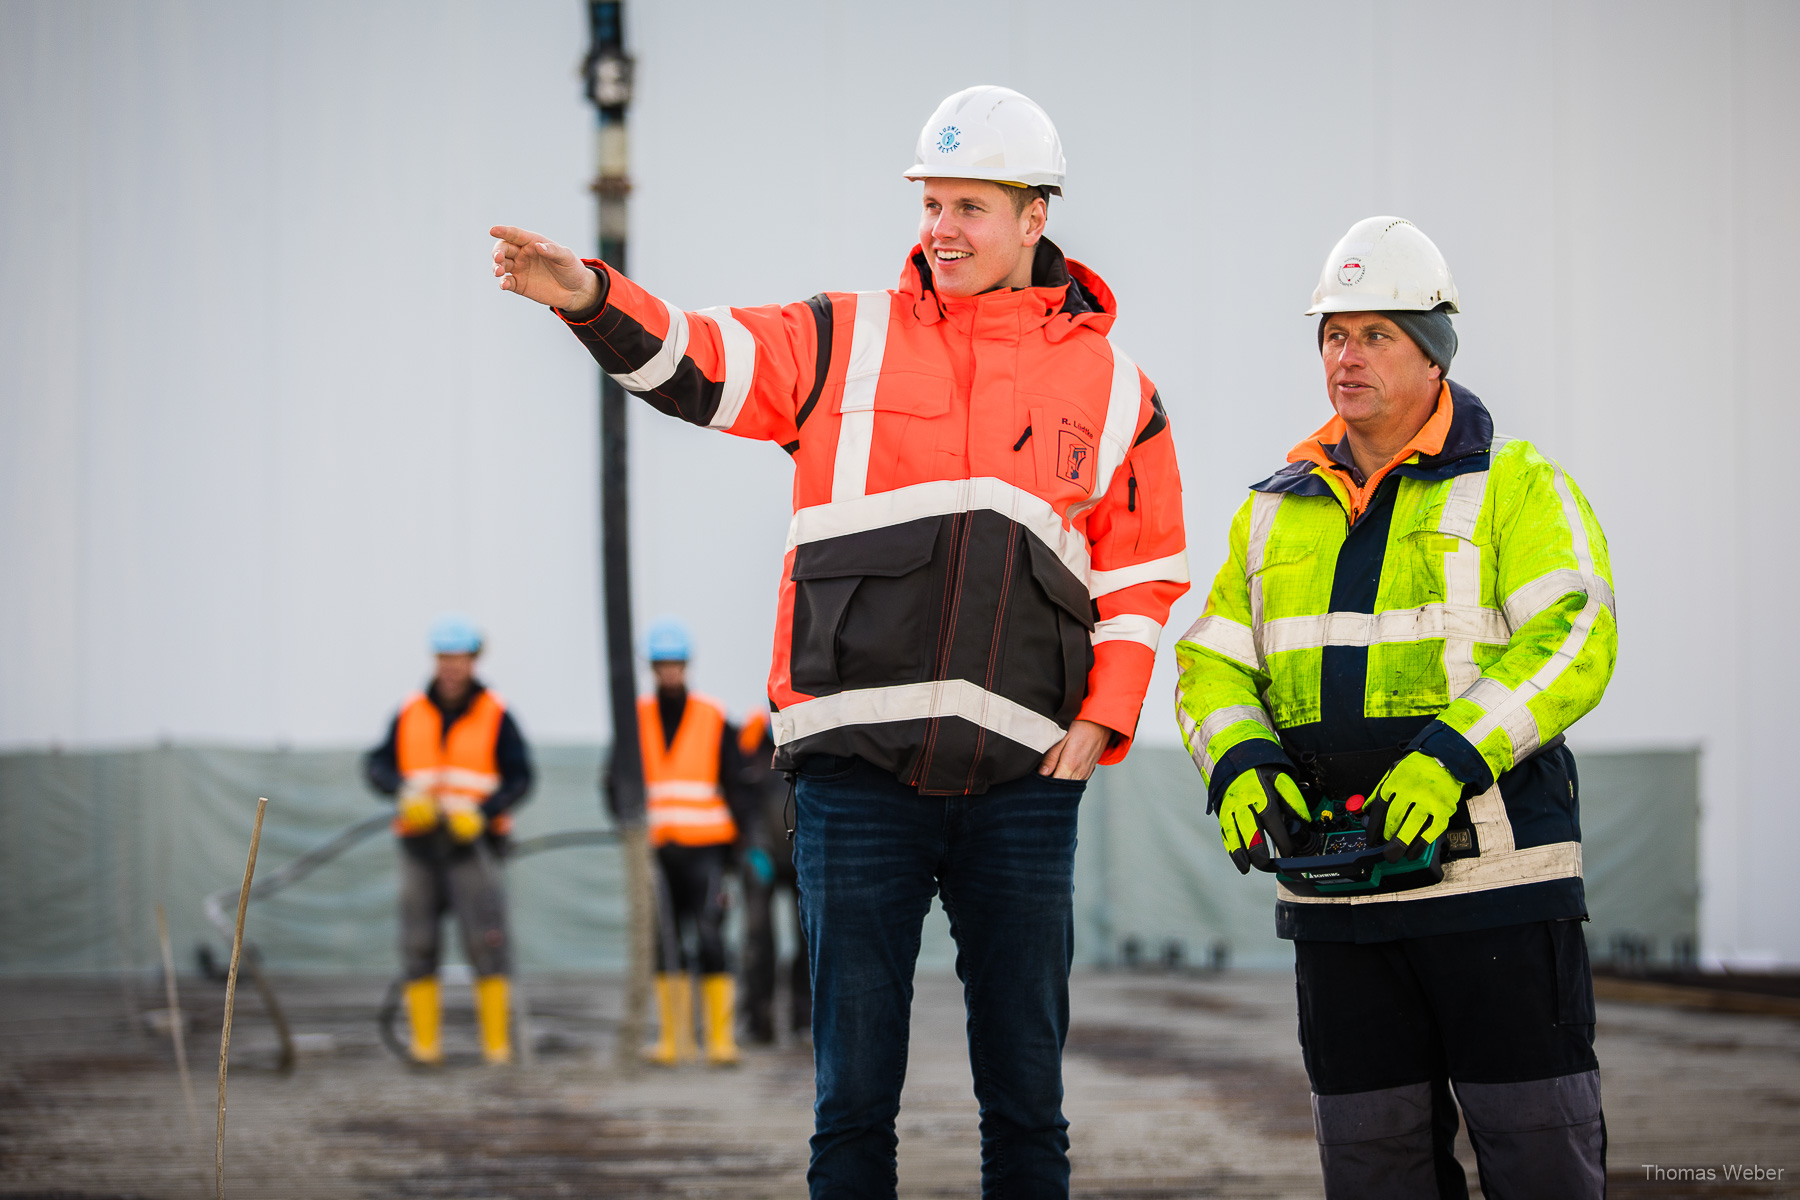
{"x":1412,"y":612}
{"x":691,"y":766}
{"x":456,"y":762}
{"x":986,"y":540}
{"x":768,"y":869}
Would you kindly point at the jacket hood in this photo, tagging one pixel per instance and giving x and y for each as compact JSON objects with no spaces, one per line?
{"x":1064,"y":294}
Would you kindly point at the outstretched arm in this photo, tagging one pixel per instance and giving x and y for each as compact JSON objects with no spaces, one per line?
{"x":746,"y":371}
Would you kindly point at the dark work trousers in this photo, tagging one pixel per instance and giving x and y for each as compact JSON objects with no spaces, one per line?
{"x":694,"y":877}
{"x":437,"y":877}
{"x":1505,"y":1016}
{"x":760,"y":900}
{"x":872,"y":853}
{"x":760,"y":966}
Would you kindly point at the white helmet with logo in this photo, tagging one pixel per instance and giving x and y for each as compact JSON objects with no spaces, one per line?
{"x":1384,"y":264}
{"x":989,"y":132}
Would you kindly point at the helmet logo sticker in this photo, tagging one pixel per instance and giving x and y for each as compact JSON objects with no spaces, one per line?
{"x":949,"y":138}
{"x":1350,"y":272}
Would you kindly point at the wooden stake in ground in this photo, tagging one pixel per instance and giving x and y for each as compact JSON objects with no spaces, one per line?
{"x":177,"y":1027}
{"x":237,"y":949}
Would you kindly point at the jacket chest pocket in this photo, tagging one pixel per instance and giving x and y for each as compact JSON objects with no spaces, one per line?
{"x":1436,"y":565}
{"x":1293,"y":575}
{"x":906,"y":419}
{"x":862,"y":608}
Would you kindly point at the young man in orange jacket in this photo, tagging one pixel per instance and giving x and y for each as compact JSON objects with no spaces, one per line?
{"x":986,"y":541}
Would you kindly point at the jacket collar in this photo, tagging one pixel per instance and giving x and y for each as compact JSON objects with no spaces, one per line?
{"x":451,"y":714}
{"x":1064,"y":294}
{"x":1466,"y":443}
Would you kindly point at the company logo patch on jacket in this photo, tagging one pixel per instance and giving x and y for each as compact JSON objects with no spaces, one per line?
{"x":1075,"y":459}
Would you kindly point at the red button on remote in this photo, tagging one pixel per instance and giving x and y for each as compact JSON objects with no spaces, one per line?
{"x":1354,"y":803}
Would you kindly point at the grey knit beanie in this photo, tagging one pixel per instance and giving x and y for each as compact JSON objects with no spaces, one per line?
{"x":1430,"y":331}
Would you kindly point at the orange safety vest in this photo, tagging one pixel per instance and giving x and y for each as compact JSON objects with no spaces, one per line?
{"x":459,"y":763}
{"x":683,"y":802}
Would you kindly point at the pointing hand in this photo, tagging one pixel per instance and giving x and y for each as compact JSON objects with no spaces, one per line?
{"x":539,"y":269}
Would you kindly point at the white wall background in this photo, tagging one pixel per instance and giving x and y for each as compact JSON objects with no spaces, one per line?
{"x":262,"y":413}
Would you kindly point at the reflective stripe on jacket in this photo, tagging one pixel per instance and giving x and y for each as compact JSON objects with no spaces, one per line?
{"x":683,"y":801}
{"x":457,"y":764}
{"x":987,"y":529}
{"x":1467,"y":613}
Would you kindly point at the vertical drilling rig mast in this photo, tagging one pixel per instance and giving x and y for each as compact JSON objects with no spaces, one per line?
{"x":607,"y":72}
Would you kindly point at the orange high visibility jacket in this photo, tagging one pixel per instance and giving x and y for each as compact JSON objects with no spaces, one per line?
{"x":457,"y":762}
{"x":750,"y":736}
{"x":683,"y":801}
{"x":987,"y":530}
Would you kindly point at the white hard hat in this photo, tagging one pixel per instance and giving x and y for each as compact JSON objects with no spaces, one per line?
{"x":989,"y":132}
{"x":1384,"y":264}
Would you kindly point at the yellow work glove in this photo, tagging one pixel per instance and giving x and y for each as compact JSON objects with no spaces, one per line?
{"x":1252,"y":805}
{"x":1420,"y":796}
{"x":418,"y":813}
{"x":465,"y":822}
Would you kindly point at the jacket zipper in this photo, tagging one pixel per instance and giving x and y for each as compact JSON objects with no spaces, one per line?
{"x":940,"y":659}
{"x":1131,"y":491}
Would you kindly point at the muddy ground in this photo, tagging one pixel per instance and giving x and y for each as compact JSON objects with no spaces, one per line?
{"x":1179,"y":1085}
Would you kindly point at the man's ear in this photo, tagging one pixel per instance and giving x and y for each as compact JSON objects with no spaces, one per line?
{"x":1037,"y":216}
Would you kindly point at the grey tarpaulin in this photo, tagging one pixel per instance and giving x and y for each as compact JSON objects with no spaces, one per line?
{"x":91,"y":841}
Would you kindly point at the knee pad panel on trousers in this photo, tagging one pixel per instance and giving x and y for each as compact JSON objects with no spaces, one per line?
{"x":1377,"y":1145}
{"x":1545,"y":1137}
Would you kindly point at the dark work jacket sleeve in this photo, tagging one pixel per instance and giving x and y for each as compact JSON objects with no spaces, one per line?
{"x":741,"y":800}
{"x":513,"y":758}
{"x":381,"y":766}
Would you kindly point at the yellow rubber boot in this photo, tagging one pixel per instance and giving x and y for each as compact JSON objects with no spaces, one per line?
{"x":424,"y":1010}
{"x":675,"y":1015}
{"x":720,"y":996}
{"x":493,"y":1010}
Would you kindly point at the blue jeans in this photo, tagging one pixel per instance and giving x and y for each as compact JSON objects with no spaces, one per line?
{"x":870,"y":854}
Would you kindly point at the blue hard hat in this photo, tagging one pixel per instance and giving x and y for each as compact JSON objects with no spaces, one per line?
{"x":668,"y":641}
{"x":454,"y":633}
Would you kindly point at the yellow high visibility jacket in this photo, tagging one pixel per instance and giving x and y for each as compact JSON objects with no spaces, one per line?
{"x":1467,"y":611}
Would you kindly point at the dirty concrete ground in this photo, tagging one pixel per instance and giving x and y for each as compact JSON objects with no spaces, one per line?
{"x":1179,"y":1085}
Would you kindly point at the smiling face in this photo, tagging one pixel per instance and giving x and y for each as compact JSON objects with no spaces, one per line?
{"x":1378,"y":378}
{"x":974,"y":239}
